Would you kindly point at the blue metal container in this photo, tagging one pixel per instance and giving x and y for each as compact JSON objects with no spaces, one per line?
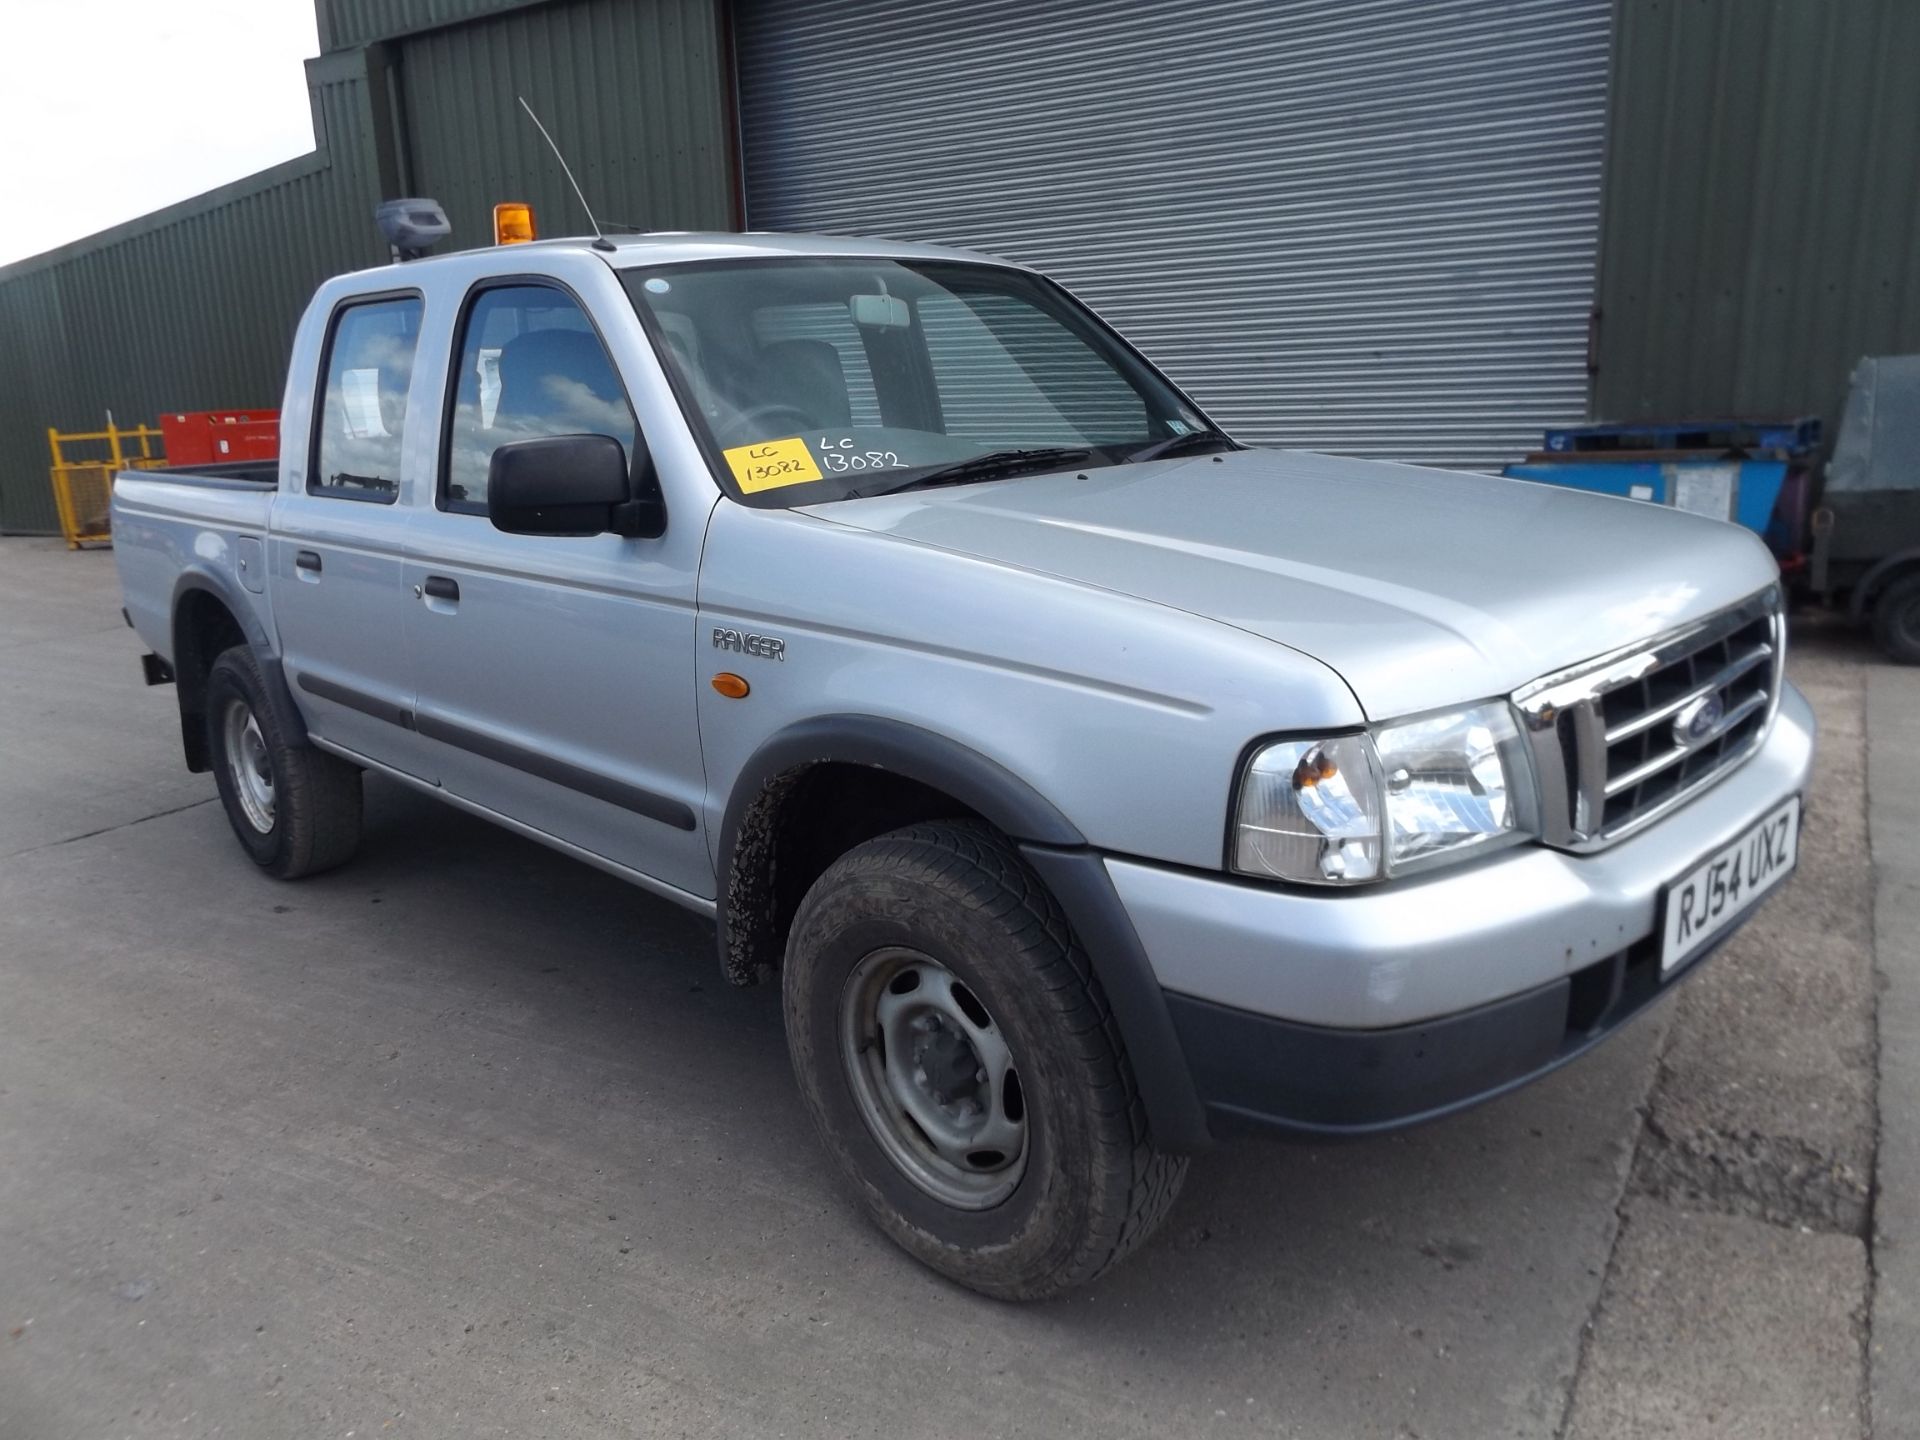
{"x":1731,"y":469}
{"x":1797,"y":436}
{"x":1743,"y":491}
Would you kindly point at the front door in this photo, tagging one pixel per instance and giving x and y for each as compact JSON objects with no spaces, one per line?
{"x":554,"y":675}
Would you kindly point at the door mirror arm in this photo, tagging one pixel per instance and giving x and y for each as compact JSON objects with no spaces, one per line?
{"x":644,"y":516}
{"x":642,"y":519}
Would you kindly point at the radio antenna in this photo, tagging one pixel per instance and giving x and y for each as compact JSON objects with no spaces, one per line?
{"x":600,"y":241}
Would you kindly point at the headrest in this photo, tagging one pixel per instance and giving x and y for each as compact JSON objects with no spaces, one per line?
{"x":807,"y":375}
{"x":574,"y":355}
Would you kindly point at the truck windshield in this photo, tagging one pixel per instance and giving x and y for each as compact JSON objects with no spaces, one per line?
{"x":810,"y":380}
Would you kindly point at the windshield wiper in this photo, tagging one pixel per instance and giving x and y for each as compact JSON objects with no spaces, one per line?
{"x":1174,"y":444}
{"x":983,"y":467}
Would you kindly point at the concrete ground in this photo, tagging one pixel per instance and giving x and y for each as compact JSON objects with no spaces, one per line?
{"x":470,"y":1140}
{"x":1893,"y":723}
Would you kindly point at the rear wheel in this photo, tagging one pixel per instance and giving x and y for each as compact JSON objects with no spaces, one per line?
{"x":959,"y":1059}
{"x":1896,"y":619}
{"x":294,"y":808}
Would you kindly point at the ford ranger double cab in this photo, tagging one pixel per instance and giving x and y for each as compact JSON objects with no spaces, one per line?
{"x":1093,"y":785}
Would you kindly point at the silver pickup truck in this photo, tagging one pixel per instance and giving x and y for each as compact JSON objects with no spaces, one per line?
{"x":1092,"y":784}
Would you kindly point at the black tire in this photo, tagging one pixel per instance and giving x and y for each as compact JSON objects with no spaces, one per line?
{"x":1091,"y":1187}
{"x":312,"y":818}
{"x":1896,"y":619}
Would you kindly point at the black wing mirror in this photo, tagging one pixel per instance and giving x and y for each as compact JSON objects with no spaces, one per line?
{"x":572,"y":485}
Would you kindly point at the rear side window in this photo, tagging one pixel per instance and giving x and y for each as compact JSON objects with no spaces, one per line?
{"x":363,"y":409}
{"x":529,"y":364}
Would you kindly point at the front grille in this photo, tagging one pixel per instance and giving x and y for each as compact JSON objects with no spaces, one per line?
{"x":1627,"y":737}
{"x":1647,"y":760}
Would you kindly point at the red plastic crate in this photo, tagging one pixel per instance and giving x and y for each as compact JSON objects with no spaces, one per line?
{"x":213,"y":437}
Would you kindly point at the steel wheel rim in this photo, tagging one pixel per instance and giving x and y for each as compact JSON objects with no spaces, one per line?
{"x":249,"y":765}
{"x":934,"y":1079}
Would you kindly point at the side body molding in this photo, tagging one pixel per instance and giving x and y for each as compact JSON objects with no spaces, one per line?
{"x":749,"y":927}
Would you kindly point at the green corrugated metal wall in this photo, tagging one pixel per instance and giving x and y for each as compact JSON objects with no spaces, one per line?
{"x":634,"y":94}
{"x":1761,"y":228}
{"x":192,"y":307}
{"x":346,"y":23}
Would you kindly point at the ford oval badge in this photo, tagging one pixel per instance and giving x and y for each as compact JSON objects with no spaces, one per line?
{"x":1697,"y":721}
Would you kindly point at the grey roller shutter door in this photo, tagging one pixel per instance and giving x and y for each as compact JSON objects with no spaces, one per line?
{"x":1368,"y":228}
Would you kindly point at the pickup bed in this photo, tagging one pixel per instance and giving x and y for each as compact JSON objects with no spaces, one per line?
{"x":1092,"y":784}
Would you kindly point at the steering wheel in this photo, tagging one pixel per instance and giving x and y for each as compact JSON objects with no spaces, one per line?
{"x":756,"y":418}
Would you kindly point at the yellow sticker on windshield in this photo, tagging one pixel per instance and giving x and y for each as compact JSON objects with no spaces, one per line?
{"x":769,"y":464}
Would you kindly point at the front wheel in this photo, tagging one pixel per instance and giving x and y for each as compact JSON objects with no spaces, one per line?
{"x":294,"y":808}
{"x":960,"y":1062}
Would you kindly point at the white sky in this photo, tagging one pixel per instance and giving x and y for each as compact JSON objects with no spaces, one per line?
{"x":112,"y":108}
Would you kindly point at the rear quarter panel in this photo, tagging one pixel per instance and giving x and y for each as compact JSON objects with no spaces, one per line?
{"x":166,"y":531}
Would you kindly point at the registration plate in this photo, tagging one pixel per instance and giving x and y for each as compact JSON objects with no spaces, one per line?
{"x":1727,"y":884}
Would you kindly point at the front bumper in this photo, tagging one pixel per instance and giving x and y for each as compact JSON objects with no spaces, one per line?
{"x":1366,"y":1009}
{"x":1275,"y":1074}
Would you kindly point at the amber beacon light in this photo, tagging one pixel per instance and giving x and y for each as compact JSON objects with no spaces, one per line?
{"x":513,"y":223}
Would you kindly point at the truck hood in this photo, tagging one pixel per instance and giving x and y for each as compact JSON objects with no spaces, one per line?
{"x":1421,"y":588}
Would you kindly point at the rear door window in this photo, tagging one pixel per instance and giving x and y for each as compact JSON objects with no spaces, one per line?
{"x":363,"y":405}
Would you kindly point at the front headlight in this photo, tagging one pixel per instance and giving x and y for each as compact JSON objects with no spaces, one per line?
{"x":1349,"y":808}
{"x":1310,"y":810}
{"x":1453,"y":782}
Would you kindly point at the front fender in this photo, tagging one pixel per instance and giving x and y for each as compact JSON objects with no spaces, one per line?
{"x":912,"y":752}
{"x":1050,"y":843}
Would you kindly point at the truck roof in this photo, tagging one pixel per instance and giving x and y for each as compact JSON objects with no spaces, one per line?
{"x":663,"y":247}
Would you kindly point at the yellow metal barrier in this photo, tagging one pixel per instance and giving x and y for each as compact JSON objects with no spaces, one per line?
{"x":83,"y":488}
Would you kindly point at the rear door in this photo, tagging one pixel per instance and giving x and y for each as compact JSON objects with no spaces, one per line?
{"x":554,"y":674}
{"x":335,"y":554}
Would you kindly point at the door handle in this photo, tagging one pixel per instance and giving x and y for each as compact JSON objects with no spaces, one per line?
{"x":307,"y":560}
{"x":439,"y":587}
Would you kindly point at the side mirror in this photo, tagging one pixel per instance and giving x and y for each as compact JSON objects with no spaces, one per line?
{"x":569,"y":485}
